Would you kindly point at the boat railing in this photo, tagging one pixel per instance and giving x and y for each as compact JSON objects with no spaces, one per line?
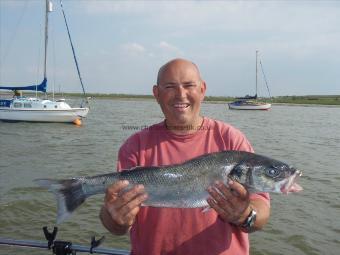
{"x":62,"y":247}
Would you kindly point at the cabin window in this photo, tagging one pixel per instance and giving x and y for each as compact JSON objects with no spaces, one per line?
{"x":27,"y":105}
{"x":45,"y":106}
{"x":5,"y":103}
{"x":55,"y":106}
{"x":17,"y":105}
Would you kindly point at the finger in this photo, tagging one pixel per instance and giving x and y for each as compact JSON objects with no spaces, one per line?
{"x":124,"y":219}
{"x":117,"y":186}
{"x":113,"y":190}
{"x":225,"y":190}
{"x":126,"y":214}
{"x":131,"y":206}
{"x":131,"y":216}
{"x":213,"y":204}
{"x":228,"y":201}
{"x":237,"y":196}
{"x":238,"y":189}
{"x":220,"y":211}
{"x":129,"y":195}
{"x":219,"y":198}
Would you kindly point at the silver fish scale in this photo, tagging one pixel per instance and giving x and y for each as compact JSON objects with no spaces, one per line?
{"x":182,"y":185}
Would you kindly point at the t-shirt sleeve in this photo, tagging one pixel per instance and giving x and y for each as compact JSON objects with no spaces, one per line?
{"x":127,"y":155}
{"x":238,"y":141}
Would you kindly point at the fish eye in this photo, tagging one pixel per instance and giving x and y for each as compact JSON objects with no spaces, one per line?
{"x":273,"y":172}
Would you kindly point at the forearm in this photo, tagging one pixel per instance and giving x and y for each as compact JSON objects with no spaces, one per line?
{"x":262,"y":213}
{"x":111,"y":225}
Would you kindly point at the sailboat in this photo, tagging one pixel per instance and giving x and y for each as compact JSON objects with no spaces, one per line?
{"x":250,"y":102}
{"x":34,"y":109}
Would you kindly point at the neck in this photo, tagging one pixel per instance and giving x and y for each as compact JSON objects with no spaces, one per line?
{"x":185,"y":128}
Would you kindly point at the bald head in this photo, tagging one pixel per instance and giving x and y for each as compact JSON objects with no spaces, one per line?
{"x":175,"y":63}
{"x":179,"y":92}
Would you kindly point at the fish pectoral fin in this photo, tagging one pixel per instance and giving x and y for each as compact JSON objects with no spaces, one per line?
{"x":206,"y":209}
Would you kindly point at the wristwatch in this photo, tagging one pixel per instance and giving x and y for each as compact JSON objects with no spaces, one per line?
{"x":248,"y":224}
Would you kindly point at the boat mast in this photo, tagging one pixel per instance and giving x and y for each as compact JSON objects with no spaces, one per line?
{"x":48,"y":8}
{"x":46,"y":36}
{"x":256,"y":75}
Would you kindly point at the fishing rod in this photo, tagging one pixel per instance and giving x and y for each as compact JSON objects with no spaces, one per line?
{"x":63,"y":247}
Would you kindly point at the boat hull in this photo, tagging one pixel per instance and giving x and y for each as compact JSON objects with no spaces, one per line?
{"x":249,"y":106}
{"x":43,"y":115}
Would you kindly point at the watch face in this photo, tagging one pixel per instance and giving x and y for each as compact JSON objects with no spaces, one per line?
{"x":250,"y":221}
{"x":252,"y":218}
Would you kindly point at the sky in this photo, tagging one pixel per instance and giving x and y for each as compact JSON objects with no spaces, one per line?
{"x":120,"y":45}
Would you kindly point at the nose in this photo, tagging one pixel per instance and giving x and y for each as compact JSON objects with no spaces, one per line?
{"x":180,"y":91}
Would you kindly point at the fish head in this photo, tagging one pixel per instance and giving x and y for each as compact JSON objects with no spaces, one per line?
{"x":267,"y":175}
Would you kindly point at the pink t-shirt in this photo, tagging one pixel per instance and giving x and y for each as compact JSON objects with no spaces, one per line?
{"x":183,"y":231}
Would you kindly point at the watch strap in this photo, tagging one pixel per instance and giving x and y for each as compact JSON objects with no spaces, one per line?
{"x":248,"y":224}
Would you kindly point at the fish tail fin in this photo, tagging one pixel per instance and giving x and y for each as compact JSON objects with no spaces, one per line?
{"x":69,"y":195}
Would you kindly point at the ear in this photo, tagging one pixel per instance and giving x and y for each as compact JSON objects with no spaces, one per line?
{"x":155,"y":92}
{"x":203,"y":90}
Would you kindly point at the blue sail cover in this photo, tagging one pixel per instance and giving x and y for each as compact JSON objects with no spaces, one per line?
{"x":41,"y":87}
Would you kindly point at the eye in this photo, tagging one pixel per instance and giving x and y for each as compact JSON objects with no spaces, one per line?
{"x":169,"y":86}
{"x":189,"y":85}
{"x":273,"y":172}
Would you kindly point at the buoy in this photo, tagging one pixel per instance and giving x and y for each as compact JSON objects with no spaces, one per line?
{"x":77,"y":122}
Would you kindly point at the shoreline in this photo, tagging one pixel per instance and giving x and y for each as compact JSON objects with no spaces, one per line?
{"x":327,"y":101}
{"x":307,"y":100}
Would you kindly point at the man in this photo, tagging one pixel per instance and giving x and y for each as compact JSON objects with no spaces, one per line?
{"x":184,"y":134}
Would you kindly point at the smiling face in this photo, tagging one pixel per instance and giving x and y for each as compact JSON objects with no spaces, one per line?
{"x":180,"y":92}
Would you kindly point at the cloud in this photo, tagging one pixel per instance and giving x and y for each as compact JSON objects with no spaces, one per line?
{"x":298,"y":40}
{"x":109,"y":7}
{"x":13,"y":4}
{"x":134,"y":48}
{"x":165,"y":46}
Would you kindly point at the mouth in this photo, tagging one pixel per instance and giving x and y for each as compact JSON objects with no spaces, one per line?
{"x":181,"y":106}
{"x":291,"y":186}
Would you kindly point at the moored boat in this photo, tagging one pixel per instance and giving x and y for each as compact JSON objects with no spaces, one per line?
{"x":249,"y":105}
{"x":35,"y":109}
{"x":251,"y":102}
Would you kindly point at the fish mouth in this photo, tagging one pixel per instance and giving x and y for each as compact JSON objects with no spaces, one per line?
{"x":291,"y":186}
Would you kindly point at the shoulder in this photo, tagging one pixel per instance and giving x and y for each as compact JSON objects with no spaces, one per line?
{"x":224,"y":128}
{"x":232,"y":136}
{"x":218,"y":124}
{"x":135,"y":145}
{"x":143,"y":135}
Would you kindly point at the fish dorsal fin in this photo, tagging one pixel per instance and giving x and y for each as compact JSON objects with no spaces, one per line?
{"x":142,"y":168}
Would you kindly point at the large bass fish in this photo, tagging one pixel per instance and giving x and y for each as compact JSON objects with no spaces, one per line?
{"x":181,"y":185}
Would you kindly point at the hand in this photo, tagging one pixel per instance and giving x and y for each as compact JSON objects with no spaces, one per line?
{"x":123,"y":206}
{"x":230,"y":201}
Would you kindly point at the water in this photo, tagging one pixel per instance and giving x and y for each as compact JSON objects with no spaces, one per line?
{"x":306,"y":137}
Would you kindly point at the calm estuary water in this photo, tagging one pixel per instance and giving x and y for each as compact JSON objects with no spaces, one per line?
{"x":306,"y":137}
